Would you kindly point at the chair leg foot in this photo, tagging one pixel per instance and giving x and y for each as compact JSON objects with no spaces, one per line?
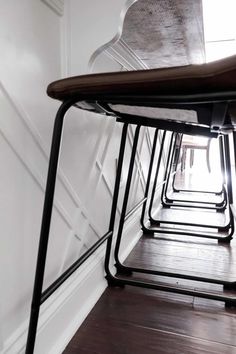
{"x":114,"y":282}
{"x":230,"y":303}
{"x":225,"y":239}
{"x":230,"y":286}
{"x":121,"y":270}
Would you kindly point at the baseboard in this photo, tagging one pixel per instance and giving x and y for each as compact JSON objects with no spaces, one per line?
{"x":64,"y":312}
{"x":58,"y":322}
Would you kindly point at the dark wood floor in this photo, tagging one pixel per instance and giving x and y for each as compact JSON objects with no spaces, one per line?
{"x":142,"y":321}
{"x":139,"y":321}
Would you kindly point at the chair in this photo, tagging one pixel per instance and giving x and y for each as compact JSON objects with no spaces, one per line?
{"x":194,"y":143}
{"x":206,"y":92}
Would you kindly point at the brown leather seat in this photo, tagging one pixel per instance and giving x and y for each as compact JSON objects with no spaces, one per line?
{"x":191,"y":88}
{"x":219,"y":76}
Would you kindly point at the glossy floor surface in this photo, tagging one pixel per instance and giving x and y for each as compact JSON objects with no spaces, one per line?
{"x":141,"y":321}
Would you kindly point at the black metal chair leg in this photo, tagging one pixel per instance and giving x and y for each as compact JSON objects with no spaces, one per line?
{"x":110,"y":279}
{"x":148,"y":178}
{"x":45,"y":226}
{"x":126,"y":195}
{"x":168,"y":166}
{"x":228,"y":169}
{"x":168,"y":201}
{"x":156,"y":175}
{"x":178,"y":158}
{"x":165,"y":200}
{"x":228,"y":178}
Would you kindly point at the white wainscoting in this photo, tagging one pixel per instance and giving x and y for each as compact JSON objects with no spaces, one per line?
{"x":55,"y":5}
{"x":35,"y":53}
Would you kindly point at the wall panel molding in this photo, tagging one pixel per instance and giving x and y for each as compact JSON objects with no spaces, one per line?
{"x":8,"y":134}
{"x":72,"y":301}
{"x":56,"y":5}
{"x":40,"y":146}
{"x":21,"y":132}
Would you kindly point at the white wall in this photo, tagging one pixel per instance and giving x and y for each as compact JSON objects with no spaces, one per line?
{"x":38,"y":46}
{"x":30,"y":59}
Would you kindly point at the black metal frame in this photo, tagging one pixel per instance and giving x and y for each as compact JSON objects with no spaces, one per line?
{"x":167,"y":201}
{"x":216,"y":205}
{"x":177,"y":190}
{"x":153,"y":222}
{"x":156,"y":222}
{"x":128,"y":270}
{"x":173,"y":161}
{"x":39,"y":296}
{"x":184,"y":101}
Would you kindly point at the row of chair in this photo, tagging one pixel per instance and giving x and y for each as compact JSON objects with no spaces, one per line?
{"x":207,"y":95}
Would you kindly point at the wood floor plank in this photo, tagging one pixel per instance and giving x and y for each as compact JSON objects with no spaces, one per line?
{"x":206,"y":217}
{"x":136,"y":320}
{"x":196,"y":258}
{"x":145,"y":321}
{"x":124,"y":321}
{"x":200,"y":197}
{"x":140,"y":340}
